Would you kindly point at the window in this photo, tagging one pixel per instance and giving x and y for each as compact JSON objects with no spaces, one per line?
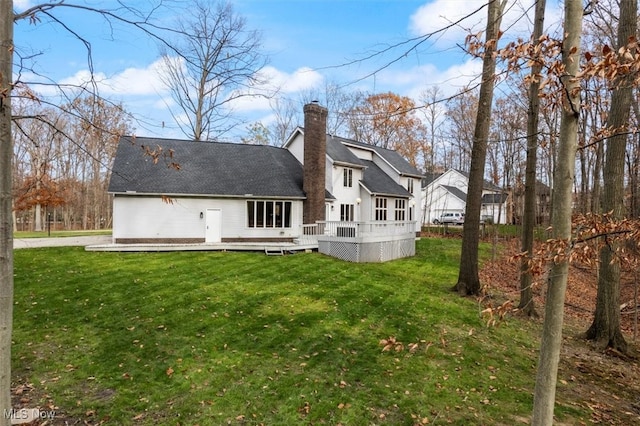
{"x":400,"y":209}
{"x":269,"y":214}
{"x":381,"y":209}
{"x":410,"y":185}
{"x":347,"y":177}
{"x":346,"y":212}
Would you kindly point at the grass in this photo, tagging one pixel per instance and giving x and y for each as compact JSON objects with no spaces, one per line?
{"x":488,"y":230}
{"x":56,"y":234}
{"x":243,"y":338}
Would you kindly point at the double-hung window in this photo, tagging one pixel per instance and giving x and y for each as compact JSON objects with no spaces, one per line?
{"x":347,"y":178}
{"x":381,"y":209}
{"x":400,"y":209}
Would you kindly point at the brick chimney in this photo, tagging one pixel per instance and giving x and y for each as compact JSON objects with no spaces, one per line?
{"x":315,"y":151}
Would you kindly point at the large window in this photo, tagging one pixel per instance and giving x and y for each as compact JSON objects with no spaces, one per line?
{"x":381,"y":209}
{"x":269,"y":214}
{"x":346,"y":212}
{"x":400,"y":209}
{"x":347,"y":177}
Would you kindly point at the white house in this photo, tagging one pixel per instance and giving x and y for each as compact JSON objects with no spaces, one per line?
{"x":365,"y":182}
{"x":318,"y":185}
{"x":447,"y":193}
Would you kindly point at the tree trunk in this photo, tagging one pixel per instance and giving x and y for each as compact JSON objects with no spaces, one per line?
{"x":564,"y":175}
{"x":526,"y":305}
{"x":605,"y":328}
{"x":6,"y":229}
{"x":468,"y":279}
{"x":37,"y":220}
{"x":596,"y":195}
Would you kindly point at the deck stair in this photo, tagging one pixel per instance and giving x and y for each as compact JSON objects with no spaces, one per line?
{"x":274,"y":251}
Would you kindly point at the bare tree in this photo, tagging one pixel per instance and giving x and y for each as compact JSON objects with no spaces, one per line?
{"x":45,"y":12}
{"x":461,"y":110}
{"x":218,"y":62}
{"x":468,"y":279}
{"x":564,"y":176}
{"x":6,"y":225}
{"x":286,"y":115}
{"x":526,"y":304}
{"x":433,"y":117}
{"x":605,"y":328}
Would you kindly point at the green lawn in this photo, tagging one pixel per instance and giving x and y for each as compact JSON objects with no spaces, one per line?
{"x":212,"y":337}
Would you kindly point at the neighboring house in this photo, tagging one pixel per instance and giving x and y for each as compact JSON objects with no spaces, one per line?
{"x":543,"y":203}
{"x":447,"y":193}
{"x":209,"y":192}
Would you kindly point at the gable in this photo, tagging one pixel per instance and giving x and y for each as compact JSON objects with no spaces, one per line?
{"x":205,"y":169}
{"x":457,"y":178}
{"x":340,"y":154}
{"x":390,"y":157}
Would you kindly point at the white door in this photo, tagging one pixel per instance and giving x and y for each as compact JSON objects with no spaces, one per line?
{"x":213,"y":233}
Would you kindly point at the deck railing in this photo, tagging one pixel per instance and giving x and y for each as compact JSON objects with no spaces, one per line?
{"x":344,"y":229}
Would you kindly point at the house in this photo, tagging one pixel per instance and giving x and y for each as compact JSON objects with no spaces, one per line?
{"x":542,"y":203}
{"x":339,"y":194}
{"x":447,"y":193}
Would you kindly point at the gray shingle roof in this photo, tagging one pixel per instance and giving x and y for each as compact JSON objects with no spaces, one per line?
{"x":494,"y":198}
{"x":378,"y":182}
{"x":206,"y":168}
{"x":429,"y":177}
{"x":340,"y":153}
{"x":396,"y":160}
{"x":485,"y":183}
{"x":457,"y":192}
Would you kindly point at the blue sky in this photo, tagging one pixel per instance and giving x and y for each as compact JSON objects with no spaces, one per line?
{"x":308,"y":42}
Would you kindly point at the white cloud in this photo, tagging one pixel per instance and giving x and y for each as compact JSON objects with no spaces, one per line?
{"x":129,"y":82}
{"x":412,"y":81}
{"x":303,"y":78}
{"x":437,"y":15}
{"x":21,"y":4}
{"x":277,"y":83}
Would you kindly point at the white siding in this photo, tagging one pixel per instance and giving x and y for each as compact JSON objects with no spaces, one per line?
{"x":497,"y":213}
{"x":150,"y":217}
{"x":441,"y":201}
{"x":416,"y":201}
{"x":296,"y":147}
{"x":364,"y":154}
